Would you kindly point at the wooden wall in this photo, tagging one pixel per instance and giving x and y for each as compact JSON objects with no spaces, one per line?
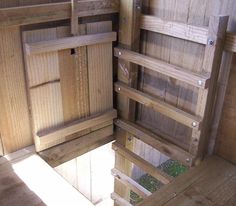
{"x":188,"y":55}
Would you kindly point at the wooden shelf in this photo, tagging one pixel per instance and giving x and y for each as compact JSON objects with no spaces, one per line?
{"x":198,"y":80}
{"x":140,"y":162}
{"x":159,"y":106}
{"x":175,"y":29}
{"x":69,"y":42}
{"x":157,"y":142}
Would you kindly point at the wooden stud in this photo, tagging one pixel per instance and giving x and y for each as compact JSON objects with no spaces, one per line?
{"x":156,"y":142}
{"x":129,"y":182}
{"x":159,"y":106}
{"x":74,"y":18}
{"x":143,"y":164}
{"x":129,"y":37}
{"x":174,"y":29}
{"x":211,"y":64}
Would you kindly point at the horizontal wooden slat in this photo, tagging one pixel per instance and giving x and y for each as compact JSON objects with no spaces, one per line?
{"x":175,"y":29}
{"x":159,"y":106}
{"x":130,"y":183}
{"x":143,"y":164}
{"x":55,"y":11}
{"x":230,"y":44}
{"x":77,"y":126}
{"x":119,"y":200}
{"x":69,"y":150}
{"x":69,"y":42}
{"x":156,"y":142}
{"x":162,"y":67}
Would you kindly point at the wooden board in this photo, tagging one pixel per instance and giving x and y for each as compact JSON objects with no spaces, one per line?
{"x":14,"y":114}
{"x":212,"y":183}
{"x":70,"y":84}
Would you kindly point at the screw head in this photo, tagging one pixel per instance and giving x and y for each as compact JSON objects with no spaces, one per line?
{"x":138,"y":7}
{"x":188,"y":160}
{"x":200,"y":83}
{"x":210,"y":42}
{"x":119,"y":53}
{"x":194,"y":124}
{"x":119,"y":89}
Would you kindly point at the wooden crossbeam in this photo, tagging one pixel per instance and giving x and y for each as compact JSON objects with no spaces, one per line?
{"x":184,"y":31}
{"x":47,"y":136}
{"x":129,"y":182}
{"x":119,"y":200}
{"x":198,"y":80}
{"x":175,"y":29}
{"x":67,"y":151}
{"x":25,"y":15}
{"x":156,"y":142}
{"x":143,"y":164}
{"x":159,"y":106}
{"x":69,"y":42}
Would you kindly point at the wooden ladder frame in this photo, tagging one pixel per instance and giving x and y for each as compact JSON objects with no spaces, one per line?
{"x":129,"y":58}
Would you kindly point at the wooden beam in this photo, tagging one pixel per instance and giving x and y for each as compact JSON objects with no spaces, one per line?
{"x":230,"y":44}
{"x":143,"y":164}
{"x":55,"y":11}
{"x":67,"y":151}
{"x":206,"y":98}
{"x":156,"y":142}
{"x":74,"y":18}
{"x":69,"y":42}
{"x":119,"y":200}
{"x":159,"y":106}
{"x":129,"y":182}
{"x":198,"y":80}
{"x":75,"y":127}
{"x":175,"y":29}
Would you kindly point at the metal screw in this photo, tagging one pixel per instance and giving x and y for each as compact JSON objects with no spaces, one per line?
{"x":200,"y":83}
{"x":210,"y":42}
{"x":138,"y":7}
{"x":119,"y":89}
{"x":120,"y":53}
{"x":187,"y":160}
{"x":194,"y":124}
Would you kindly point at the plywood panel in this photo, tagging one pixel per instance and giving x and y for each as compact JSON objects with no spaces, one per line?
{"x":14,"y":115}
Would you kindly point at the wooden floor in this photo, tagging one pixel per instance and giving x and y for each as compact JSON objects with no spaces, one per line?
{"x":27,"y":180}
{"x":213,"y":183}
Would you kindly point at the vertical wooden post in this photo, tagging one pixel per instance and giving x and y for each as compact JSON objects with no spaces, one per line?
{"x":211,"y":64}
{"x":129,"y":38}
{"x":74,"y":18}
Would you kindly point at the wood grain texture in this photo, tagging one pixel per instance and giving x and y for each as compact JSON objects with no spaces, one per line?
{"x":53,"y":11}
{"x":175,"y":72}
{"x":174,"y":29}
{"x":69,"y":42}
{"x":212,"y":183}
{"x":14,"y":115}
{"x":100,"y":70}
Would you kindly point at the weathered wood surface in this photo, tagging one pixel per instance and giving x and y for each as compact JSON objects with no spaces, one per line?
{"x":14,"y":114}
{"x":211,"y":183}
{"x":53,"y":104}
{"x":182,"y":53}
{"x":53,"y":12}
